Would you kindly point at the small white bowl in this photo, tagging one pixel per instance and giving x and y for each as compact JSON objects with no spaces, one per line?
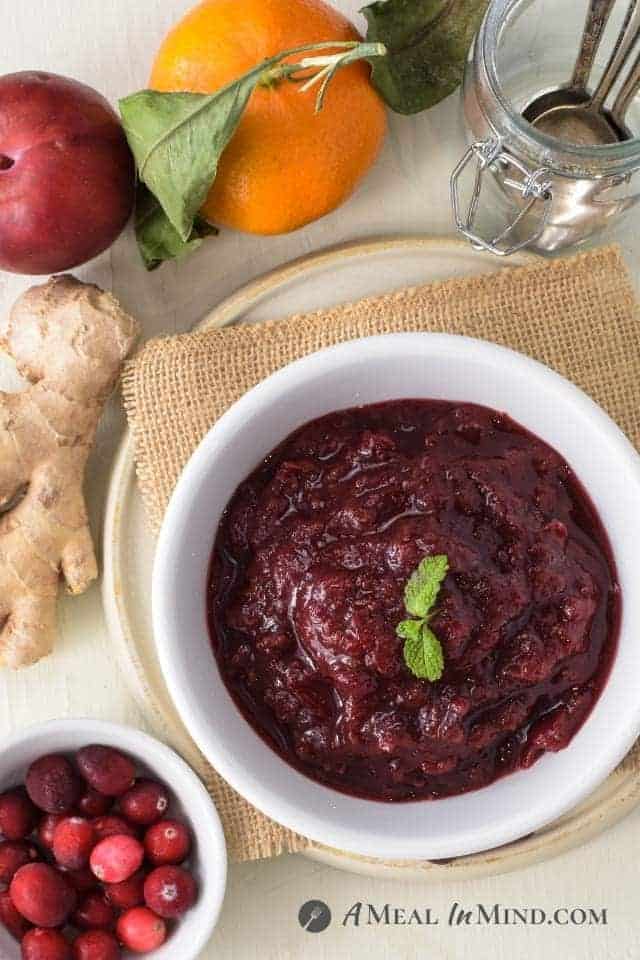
{"x":366,"y":371}
{"x":190,"y":803}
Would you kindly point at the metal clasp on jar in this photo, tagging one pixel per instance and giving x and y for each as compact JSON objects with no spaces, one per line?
{"x":534,"y":187}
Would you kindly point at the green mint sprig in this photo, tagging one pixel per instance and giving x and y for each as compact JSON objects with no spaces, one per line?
{"x":422,"y":650}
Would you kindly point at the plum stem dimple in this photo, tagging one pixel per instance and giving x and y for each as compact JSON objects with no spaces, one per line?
{"x":6,"y":162}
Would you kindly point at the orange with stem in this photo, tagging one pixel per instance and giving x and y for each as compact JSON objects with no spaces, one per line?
{"x":286,"y":164}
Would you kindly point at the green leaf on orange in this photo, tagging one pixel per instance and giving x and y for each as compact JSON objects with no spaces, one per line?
{"x":158,"y":240}
{"x":177,"y":140}
{"x":427,"y":43}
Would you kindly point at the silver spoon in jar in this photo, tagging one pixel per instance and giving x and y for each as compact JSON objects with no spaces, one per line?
{"x":571,"y":113}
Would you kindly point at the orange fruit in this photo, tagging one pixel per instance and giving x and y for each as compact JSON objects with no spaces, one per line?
{"x":286,"y":165}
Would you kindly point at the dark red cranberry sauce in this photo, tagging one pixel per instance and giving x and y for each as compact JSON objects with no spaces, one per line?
{"x":306,"y":589}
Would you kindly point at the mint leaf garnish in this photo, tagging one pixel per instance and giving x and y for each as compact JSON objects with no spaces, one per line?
{"x":423,"y":653}
{"x":423,"y":586}
{"x":410,"y":630}
{"x":422,"y":650}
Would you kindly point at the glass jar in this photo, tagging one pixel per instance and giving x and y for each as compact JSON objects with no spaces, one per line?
{"x":529,"y":189}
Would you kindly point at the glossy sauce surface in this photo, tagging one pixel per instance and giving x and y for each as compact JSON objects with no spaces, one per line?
{"x":306,"y":590}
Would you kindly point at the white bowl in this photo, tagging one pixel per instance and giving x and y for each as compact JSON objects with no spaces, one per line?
{"x":190,"y":803}
{"x":364,"y":371}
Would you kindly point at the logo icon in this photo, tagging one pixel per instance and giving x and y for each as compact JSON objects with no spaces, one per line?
{"x":314,"y":916}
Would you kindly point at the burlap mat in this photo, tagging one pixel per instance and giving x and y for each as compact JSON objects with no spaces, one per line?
{"x":577,"y":315}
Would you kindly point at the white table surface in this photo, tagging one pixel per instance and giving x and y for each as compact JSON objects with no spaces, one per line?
{"x":109,"y":45}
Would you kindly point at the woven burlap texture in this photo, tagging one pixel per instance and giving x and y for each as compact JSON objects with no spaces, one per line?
{"x":578,"y":315}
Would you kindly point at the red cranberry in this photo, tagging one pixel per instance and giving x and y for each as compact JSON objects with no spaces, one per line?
{"x":146,"y":802}
{"x":129,"y":893}
{"x":42,"y":895}
{"x":10,"y":918}
{"x":141,"y":930}
{"x":106,"y":770}
{"x":93,"y":804}
{"x":112,"y":826}
{"x":81,"y":880}
{"x":96,"y":945}
{"x":167,"y":842}
{"x":117,"y":858}
{"x":40,"y":944}
{"x":94,"y":913}
{"x":73,"y":840}
{"x":13,"y":855}
{"x":169,"y":892}
{"x":47,"y":828}
{"x":52,"y":784}
{"x":18,"y":816}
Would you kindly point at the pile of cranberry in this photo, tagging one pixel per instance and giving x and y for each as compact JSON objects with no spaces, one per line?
{"x":89,"y":860}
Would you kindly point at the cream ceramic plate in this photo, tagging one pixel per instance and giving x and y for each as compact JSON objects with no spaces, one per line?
{"x":320,"y":281}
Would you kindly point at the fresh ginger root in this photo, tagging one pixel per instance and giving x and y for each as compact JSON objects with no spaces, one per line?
{"x":69,"y":340}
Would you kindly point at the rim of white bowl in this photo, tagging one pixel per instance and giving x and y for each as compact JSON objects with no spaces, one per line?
{"x":136,"y":742}
{"x":247,"y":783}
